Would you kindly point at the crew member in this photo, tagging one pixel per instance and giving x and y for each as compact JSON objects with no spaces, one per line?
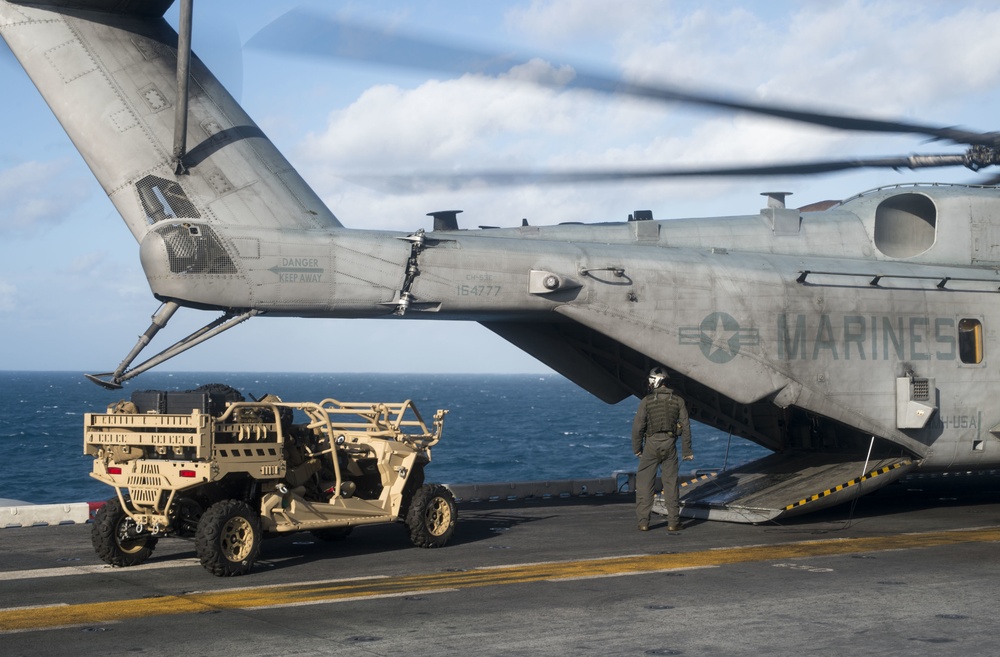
{"x":662,"y":415}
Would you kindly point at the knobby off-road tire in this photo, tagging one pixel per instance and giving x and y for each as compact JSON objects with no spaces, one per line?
{"x":228,"y":538}
{"x":111,"y":540}
{"x":431,"y":516}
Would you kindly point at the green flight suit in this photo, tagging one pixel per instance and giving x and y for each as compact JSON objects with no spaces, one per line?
{"x":660,"y":417}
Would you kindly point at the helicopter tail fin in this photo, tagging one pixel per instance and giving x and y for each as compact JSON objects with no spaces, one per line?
{"x":108,"y":71}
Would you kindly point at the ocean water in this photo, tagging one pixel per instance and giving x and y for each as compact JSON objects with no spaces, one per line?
{"x":499,"y":428}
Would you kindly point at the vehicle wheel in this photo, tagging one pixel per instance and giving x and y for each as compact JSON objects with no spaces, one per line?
{"x":333,"y":533}
{"x":113,"y":536}
{"x":228,"y":538}
{"x":431,"y":516}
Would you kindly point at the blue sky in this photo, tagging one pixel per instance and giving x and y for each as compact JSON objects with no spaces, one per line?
{"x":72,"y":294}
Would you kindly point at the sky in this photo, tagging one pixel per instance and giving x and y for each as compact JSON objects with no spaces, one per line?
{"x":72,"y":293}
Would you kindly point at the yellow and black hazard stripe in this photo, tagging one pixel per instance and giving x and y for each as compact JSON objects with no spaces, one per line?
{"x":695,"y":480}
{"x":852,"y":482}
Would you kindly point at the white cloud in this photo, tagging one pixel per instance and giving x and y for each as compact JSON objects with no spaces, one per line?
{"x":86,"y":263}
{"x":37,"y":194}
{"x":115,"y":277}
{"x":8,"y":297}
{"x":564,"y":21}
{"x":869,"y":57}
{"x":453,"y":122}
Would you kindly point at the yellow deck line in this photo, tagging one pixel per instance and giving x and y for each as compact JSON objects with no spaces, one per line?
{"x":36,"y":618}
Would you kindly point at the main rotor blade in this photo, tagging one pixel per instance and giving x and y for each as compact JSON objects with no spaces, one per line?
{"x":306,"y":33}
{"x":510,"y":177}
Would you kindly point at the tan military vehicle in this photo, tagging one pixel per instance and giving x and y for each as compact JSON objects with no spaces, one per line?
{"x":207,"y":464}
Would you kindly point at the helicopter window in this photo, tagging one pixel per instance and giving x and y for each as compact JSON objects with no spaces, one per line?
{"x":905,"y":225}
{"x":970,"y":341}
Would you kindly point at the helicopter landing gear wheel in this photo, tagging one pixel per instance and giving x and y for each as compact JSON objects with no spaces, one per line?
{"x":228,"y":538}
{"x":431,"y":516}
{"x":115,"y":538}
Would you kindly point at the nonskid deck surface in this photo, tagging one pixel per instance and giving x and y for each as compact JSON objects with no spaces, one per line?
{"x":911,"y":570}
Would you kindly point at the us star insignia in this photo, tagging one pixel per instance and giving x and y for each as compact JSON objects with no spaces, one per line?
{"x":719,"y":336}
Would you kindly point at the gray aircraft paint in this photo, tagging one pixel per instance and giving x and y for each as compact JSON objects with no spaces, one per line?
{"x":789,"y":328}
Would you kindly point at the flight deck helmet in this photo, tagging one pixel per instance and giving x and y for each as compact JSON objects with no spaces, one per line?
{"x":657,"y":377}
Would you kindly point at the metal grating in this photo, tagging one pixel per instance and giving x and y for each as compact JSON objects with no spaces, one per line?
{"x":164,"y":199}
{"x":142,"y":496}
{"x":195,"y":250}
{"x":147,"y":481}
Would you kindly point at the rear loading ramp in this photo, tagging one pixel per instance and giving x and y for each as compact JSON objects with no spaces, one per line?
{"x":784,"y":485}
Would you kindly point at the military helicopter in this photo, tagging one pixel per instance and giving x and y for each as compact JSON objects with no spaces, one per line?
{"x":851,"y":338}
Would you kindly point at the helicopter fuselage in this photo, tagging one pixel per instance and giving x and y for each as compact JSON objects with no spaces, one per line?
{"x":739,"y":308}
